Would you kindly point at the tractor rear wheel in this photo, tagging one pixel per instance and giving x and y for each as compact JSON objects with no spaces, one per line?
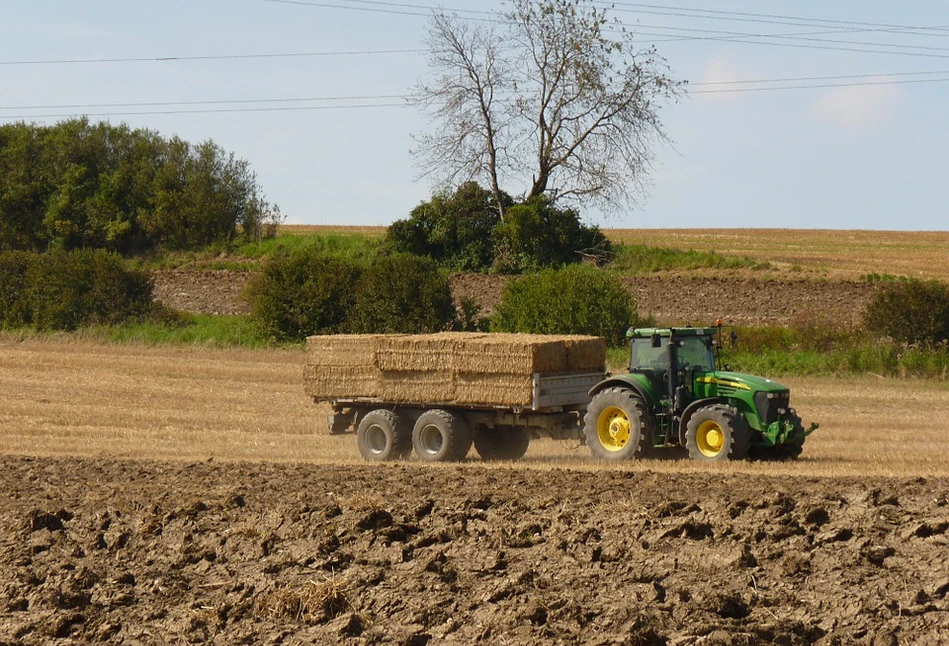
{"x":717,"y":432}
{"x":441,"y":436}
{"x":383,"y":435}
{"x":501,"y":443}
{"x":617,"y":426}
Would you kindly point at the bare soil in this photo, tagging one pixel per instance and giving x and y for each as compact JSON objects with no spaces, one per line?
{"x":670,"y":298}
{"x":99,"y":551}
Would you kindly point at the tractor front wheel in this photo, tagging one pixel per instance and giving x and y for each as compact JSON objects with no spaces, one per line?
{"x":617,"y":426}
{"x":717,"y":432}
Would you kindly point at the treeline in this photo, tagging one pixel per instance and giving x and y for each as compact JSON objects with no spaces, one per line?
{"x":78,"y":185}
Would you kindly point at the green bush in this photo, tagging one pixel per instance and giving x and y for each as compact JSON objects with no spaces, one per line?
{"x":575,"y":300}
{"x":536,"y":234}
{"x":402,"y":293}
{"x":14,"y":305}
{"x":78,"y":185}
{"x":305,"y":292}
{"x":454,"y":230}
{"x":464,"y":231}
{"x":910,"y":311}
{"x":66,"y":290}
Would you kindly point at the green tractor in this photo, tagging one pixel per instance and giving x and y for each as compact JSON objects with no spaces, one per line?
{"x":675,"y":396}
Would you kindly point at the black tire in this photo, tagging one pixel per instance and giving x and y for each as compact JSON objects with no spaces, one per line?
{"x":717,"y":432}
{"x":617,"y":426}
{"x":383,"y":435}
{"x":501,"y":443}
{"x":441,"y":436}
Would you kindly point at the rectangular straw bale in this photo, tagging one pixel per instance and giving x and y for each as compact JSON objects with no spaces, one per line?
{"x":342,"y":350}
{"x":344,"y":382}
{"x":416,"y":352}
{"x":512,"y":353}
{"x":493,"y":389}
{"x":585,"y":354}
{"x":418,"y":386}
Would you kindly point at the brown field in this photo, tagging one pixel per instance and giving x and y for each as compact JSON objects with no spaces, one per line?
{"x":190,"y":495}
{"x":835,"y":254}
{"x":77,"y":398}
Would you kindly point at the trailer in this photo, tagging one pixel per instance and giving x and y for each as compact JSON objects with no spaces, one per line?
{"x":440,"y":431}
{"x":437,"y":395}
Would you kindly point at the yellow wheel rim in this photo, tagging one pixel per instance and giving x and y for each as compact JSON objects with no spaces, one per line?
{"x":710,"y":438}
{"x":613,"y":429}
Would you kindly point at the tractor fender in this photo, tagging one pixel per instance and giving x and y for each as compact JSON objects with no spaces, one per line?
{"x":690,"y":410}
{"x":620,"y":382}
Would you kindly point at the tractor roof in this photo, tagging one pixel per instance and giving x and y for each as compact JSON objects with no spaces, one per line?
{"x":646,"y":332}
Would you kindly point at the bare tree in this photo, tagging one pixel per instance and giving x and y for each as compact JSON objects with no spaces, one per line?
{"x":547,"y":95}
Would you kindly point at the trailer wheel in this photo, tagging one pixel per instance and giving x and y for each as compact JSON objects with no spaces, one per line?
{"x":383,"y":435}
{"x":717,"y":432}
{"x":617,"y":426}
{"x":501,"y":443}
{"x":441,"y":436}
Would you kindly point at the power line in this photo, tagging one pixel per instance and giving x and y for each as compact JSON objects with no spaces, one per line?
{"x":720,"y":87}
{"x":215,"y":111}
{"x":149,"y":59}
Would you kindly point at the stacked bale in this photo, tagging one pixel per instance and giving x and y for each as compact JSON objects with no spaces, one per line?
{"x":447,"y":368}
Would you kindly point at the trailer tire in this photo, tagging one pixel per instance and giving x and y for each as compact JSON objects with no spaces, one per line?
{"x":383,"y":435}
{"x":501,"y":443}
{"x":617,"y":426}
{"x":441,"y":436}
{"x":717,"y":432}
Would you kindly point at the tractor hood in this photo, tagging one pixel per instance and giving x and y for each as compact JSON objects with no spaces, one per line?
{"x":737,"y":381}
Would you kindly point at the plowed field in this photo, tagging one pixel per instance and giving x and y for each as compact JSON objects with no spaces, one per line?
{"x":190,"y":496}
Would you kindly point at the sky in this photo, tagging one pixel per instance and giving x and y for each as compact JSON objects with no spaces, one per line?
{"x":310,"y":93}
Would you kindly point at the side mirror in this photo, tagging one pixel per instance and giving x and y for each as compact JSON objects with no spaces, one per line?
{"x":734,"y":337}
{"x":656,"y":341}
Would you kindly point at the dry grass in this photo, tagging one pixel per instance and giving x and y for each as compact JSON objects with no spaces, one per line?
{"x":313,"y":602}
{"x":62,"y":397}
{"x":843,"y":254}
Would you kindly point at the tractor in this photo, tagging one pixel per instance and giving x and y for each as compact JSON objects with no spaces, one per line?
{"x":677,"y":395}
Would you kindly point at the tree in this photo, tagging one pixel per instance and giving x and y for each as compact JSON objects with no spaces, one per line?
{"x":546,"y":95}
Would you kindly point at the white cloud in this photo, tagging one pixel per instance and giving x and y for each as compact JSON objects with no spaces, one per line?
{"x":858,"y":107}
{"x":719,"y":72}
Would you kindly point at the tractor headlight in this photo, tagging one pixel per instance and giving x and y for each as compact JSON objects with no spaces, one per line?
{"x":793,"y":412}
{"x":782,"y":412}
{"x":770,"y":395}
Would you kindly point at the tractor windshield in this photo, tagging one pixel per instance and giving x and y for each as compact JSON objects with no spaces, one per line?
{"x":696,"y":352}
{"x":643,"y":356}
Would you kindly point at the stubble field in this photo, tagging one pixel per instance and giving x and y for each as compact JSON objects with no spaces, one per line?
{"x":170,"y":495}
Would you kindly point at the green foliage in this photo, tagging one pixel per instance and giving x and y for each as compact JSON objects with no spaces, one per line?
{"x":308,"y":292}
{"x":575,"y":300}
{"x":910,"y":311}
{"x":80,"y":185}
{"x":204,"y":329}
{"x":644,"y":259}
{"x":14,"y":304}
{"x":304,"y":293}
{"x":455,"y":230}
{"x":66,"y":290}
{"x":402,"y":293}
{"x":536,"y":234}
{"x":463,"y":231}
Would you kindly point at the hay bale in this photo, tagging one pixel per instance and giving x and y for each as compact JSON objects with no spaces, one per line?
{"x":449,"y":367}
{"x":340,"y":382}
{"x":342,"y":350}
{"x":416,"y":352}
{"x":419,"y":386}
{"x":494,"y":389}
